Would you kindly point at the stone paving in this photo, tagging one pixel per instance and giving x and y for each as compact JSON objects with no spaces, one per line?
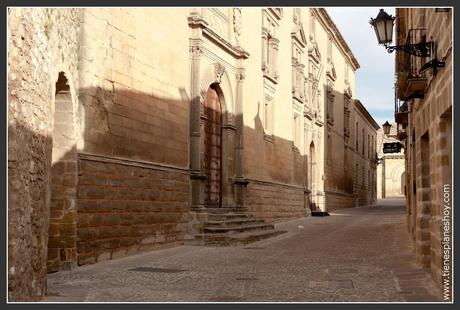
{"x":359,"y":254}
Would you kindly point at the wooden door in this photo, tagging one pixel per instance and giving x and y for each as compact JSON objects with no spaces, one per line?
{"x":213,"y":149}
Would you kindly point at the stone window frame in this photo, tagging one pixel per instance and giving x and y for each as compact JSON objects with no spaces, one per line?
{"x":347,"y":98}
{"x":312,"y":30}
{"x":330,"y":98}
{"x":298,"y":67}
{"x":357,"y":137}
{"x":329,"y":147}
{"x":296,"y":15}
{"x":368,"y":180}
{"x":330,"y":43}
{"x":297,"y":131}
{"x":270,"y":43}
{"x":368,"y":146}
{"x":268,"y":117}
{"x":346,"y":76}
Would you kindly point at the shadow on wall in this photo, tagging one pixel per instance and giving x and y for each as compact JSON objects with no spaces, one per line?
{"x":350,"y":169}
{"x":105,"y":201}
{"x":126,"y":187}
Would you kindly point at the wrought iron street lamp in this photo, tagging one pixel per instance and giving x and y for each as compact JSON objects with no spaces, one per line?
{"x":383,"y":25}
{"x":386,"y":128}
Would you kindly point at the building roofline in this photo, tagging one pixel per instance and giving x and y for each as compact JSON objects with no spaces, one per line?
{"x":331,"y":27}
{"x":366,"y":114}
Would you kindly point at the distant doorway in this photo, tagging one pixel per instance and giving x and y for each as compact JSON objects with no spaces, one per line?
{"x":213,"y":149}
{"x":312,"y":176}
{"x":403,"y":184}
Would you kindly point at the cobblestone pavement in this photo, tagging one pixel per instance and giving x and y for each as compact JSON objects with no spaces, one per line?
{"x":359,"y":254}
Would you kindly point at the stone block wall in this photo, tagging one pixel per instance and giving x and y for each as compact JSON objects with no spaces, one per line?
{"x":125,"y":207}
{"x":350,"y":170}
{"x":430,"y":142}
{"x":275,"y":202}
{"x":134,"y":84}
{"x":275,"y":172}
{"x":336,"y":201}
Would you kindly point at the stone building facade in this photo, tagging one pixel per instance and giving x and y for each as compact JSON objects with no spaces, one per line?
{"x":121,"y":140}
{"x":391,"y":167}
{"x":350,"y":156}
{"x":424,"y":116}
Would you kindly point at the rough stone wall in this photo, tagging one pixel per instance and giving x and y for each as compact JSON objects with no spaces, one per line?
{"x":42,"y":42}
{"x":275,"y":202}
{"x":125,"y":208}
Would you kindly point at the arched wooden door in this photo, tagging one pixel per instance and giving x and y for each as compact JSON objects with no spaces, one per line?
{"x":213,"y":149}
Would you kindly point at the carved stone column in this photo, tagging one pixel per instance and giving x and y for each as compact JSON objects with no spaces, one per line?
{"x":240,"y":181}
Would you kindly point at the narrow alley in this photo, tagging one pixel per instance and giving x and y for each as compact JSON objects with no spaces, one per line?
{"x":358,"y":254}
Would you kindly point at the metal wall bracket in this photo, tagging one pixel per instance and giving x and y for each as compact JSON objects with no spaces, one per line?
{"x":422,"y":49}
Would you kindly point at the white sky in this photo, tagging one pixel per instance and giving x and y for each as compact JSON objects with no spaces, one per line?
{"x":375,"y":77}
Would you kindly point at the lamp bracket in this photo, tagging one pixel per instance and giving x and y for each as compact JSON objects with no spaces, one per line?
{"x":433,"y":64}
{"x":422,"y":49}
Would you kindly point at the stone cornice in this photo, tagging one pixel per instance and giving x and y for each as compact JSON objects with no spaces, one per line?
{"x":131,"y":162}
{"x":327,"y":22}
{"x":196,"y":21}
{"x":366,"y":114}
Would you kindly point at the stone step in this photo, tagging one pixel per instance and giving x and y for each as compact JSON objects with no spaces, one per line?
{"x":224,"y":210}
{"x":233,"y":222}
{"x":235,"y":239}
{"x":228,"y":216}
{"x":237,"y":229}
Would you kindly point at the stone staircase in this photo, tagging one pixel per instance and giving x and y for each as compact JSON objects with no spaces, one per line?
{"x":230,"y":226}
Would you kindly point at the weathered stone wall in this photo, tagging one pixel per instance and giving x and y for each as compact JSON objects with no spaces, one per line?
{"x":125,"y":207}
{"x":350,"y":161}
{"x":134,"y":110}
{"x":134,"y":97}
{"x":42,"y":43}
{"x":337,"y":201}
{"x":275,"y":202}
{"x":429,"y":141}
{"x":276,"y":175}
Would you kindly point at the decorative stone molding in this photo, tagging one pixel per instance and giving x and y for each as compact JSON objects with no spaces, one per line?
{"x":298,"y":35}
{"x":331,"y":73}
{"x":276,"y":12}
{"x":196,"y":20}
{"x":241,"y":74}
{"x":237,"y":24}
{"x":219,"y":70}
{"x":347,"y":92}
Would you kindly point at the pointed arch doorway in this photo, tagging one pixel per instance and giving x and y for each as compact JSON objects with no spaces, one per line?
{"x":212,"y":159}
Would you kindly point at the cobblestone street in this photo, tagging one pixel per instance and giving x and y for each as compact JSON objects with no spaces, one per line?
{"x":359,"y":254}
